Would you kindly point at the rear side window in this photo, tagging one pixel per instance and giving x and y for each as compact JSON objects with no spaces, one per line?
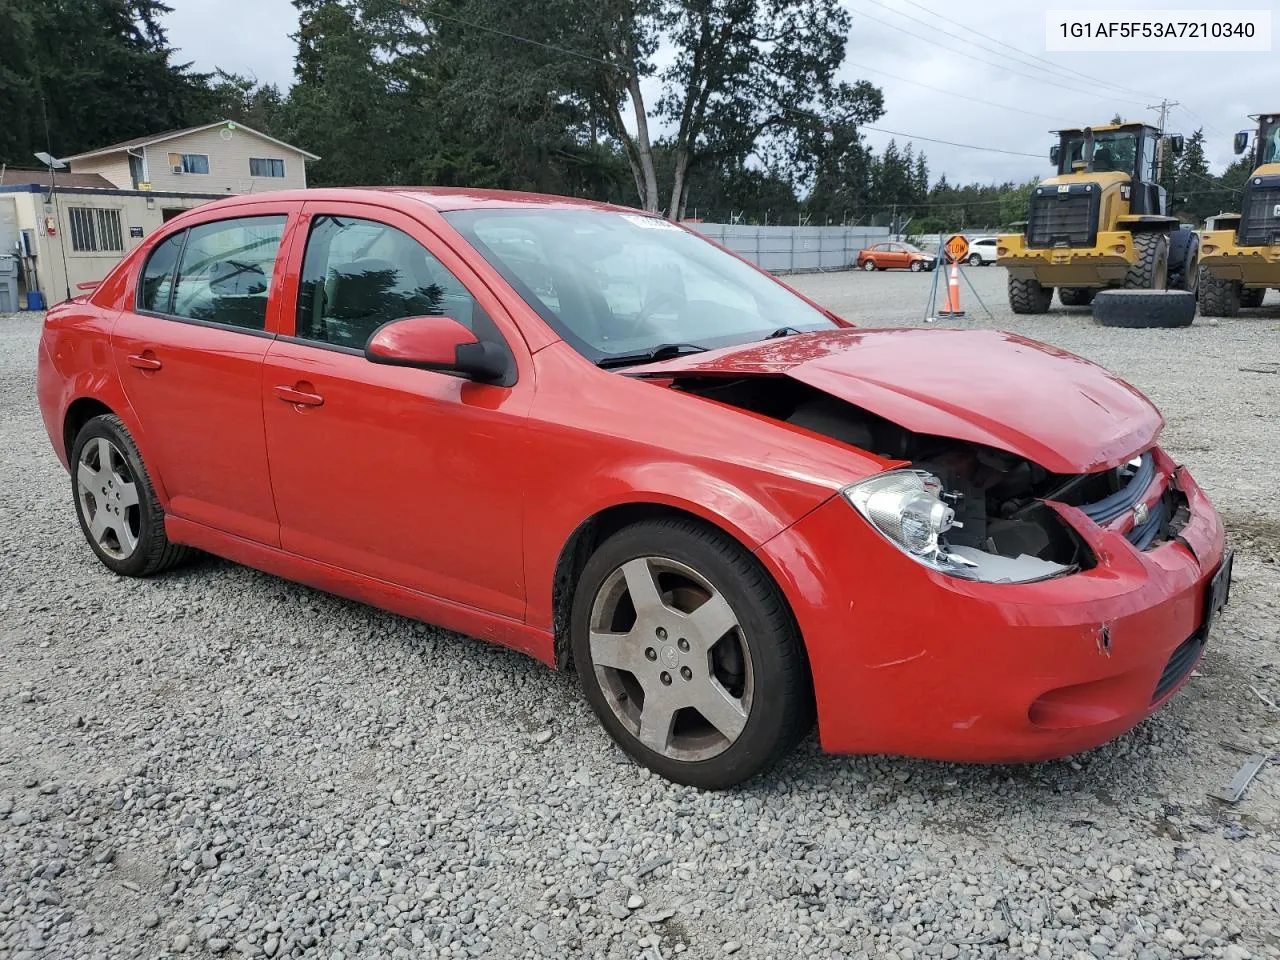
{"x":155,"y":293}
{"x":225,"y":273}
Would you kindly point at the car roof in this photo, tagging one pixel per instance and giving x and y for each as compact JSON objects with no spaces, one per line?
{"x":443,"y":199}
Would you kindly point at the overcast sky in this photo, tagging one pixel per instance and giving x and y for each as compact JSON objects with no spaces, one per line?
{"x":1216,"y":90}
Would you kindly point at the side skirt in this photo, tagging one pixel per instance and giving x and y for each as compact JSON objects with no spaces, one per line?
{"x":538,"y":644}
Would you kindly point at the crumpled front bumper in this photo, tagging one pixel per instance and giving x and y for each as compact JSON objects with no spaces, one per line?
{"x":906,"y":660}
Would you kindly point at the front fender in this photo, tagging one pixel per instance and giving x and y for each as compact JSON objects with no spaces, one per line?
{"x":752,"y":510}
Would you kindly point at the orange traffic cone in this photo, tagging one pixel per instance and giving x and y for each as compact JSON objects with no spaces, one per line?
{"x":952,"y":308}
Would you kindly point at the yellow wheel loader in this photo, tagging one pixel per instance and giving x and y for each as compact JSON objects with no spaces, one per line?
{"x":1240,"y":253}
{"x":1100,"y":223}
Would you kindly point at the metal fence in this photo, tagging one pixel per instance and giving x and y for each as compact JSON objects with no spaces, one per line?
{"x":784,"y":249}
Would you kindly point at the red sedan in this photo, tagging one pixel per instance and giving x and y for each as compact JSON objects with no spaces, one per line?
{"x":592,"y":435}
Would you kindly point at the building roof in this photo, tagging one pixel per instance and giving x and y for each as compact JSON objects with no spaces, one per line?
{"x":173,"y":134}
{"x":40,"y":178}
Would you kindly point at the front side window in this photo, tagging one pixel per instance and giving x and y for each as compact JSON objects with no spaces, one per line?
{"x":95,"y":231}
{"x":618,"y":283}
{"x":265,"y":167}
{"x":225,"y":273}
{"x":359,"y":274}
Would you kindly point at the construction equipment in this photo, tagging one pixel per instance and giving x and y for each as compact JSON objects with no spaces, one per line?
{"x":1240,"y":255}
{"x":1100,"y":223}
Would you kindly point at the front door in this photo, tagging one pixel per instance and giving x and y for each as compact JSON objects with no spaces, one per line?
{"x":410,"y":476}
{"x":190,"y":358}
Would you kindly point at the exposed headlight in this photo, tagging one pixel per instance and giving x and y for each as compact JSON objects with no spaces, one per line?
{"x":905,"y":507}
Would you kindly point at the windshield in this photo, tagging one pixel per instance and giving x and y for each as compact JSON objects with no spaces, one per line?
{"x":1113,"y":150}
{"x":617,"y":283}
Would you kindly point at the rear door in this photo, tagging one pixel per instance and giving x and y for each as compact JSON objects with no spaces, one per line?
{"x":410,"y":476}
{"x":189,"y":353}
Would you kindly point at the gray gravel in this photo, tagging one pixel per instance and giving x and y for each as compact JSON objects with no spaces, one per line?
{"x":217,"y":762}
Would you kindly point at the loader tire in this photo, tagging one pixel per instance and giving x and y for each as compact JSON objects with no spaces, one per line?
{"x":1028,"y":296}
{"x":1218,"y":297}
{"x":1252,"y":297}
{"x":1076,"y":296}
{"x":1144,"y":308}
{"x":1151,"y":272}
{"x":1184,"y":261}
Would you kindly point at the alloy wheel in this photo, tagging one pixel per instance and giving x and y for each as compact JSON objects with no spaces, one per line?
{"x":108,"y":498}
{"x":671,"y":658}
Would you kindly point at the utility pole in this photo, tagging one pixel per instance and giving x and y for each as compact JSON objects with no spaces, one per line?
{"x":1164,"y":114}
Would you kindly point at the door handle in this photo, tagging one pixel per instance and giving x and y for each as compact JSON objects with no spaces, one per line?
{"x":301,"y":394}
{"x":145,"y":361}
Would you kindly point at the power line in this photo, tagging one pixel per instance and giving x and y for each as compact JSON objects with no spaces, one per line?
{"x":952,"y":93}
{"x":952,"y":143}
{"x":1057,"y":84}
{"x":419,"y":10}
{"x":1032,"y":56}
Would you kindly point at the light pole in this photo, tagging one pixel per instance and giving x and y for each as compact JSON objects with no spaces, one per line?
{"x":53,"y":163}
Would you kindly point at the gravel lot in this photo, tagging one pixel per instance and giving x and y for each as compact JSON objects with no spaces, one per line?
{"x":220,"y":762}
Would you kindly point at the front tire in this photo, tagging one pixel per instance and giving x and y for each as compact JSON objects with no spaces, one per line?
{"x":1219,"y":297}
{"x":115,"y":501}
{"x":975,"y":259}
{"x":688,"y":654}
{"x":1151,"y":271}
{"x":869,"y":266}
{"x":917,"y":266}
{"x":1028,"y":296}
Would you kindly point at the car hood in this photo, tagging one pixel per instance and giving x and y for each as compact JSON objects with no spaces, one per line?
{"x":1005,"y":391}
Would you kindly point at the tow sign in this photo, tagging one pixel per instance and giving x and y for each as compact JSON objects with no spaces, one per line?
{"x":956,"y":248}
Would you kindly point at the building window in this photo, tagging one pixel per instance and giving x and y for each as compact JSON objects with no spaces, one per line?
{"x":189,"y":162}
{"x":95,"y":231}
{"x":260,"y":167}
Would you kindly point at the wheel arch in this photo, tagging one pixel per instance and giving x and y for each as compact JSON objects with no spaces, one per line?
{"x":89,"y":404}
{"x":595,"y":529}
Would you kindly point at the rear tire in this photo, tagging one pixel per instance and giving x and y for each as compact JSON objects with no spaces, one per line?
{"x":1028,"y":296}
{"x":116,"y":504}
{"x":1252,"y":297}
{"x":634,"y":655}
{"x":1218,"y":297}
{"x":1076,"y":296}
{"x":1151,"y":272}
{"x":1141,"y":309}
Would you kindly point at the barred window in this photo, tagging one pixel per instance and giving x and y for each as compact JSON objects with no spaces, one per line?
{"x":95,"y":231}
{"x":265,"y":167}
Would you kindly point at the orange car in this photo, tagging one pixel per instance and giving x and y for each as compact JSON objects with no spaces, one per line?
{"x":895,"y":256}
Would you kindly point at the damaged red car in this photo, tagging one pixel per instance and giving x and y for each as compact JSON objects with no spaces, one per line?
{"x":596,"y":437}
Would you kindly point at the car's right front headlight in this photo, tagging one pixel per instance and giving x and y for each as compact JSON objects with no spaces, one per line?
{"x":907,"y":509}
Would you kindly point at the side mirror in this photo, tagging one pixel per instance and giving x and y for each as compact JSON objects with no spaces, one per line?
{"x":1054,"y":154}
{"x":1176,"y":142}
{"x":436,"y":343}
{"x":1240,"y":142}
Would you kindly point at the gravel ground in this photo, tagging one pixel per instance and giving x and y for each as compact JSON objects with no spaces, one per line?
{"x":220,"y":762}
